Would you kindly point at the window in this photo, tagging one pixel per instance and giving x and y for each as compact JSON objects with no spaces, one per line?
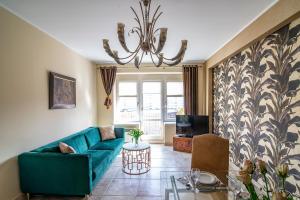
{"x":127,"y":107}
{"x":148,"y":101}
{"x":174,"y":99}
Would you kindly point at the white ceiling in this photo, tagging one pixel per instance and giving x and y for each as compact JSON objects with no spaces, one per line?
{"x":82,"y":24}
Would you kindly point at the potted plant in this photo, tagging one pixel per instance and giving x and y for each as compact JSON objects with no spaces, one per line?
{"x":135,"y":134}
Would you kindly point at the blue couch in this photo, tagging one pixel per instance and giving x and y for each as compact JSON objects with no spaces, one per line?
{"x":47,"y":171}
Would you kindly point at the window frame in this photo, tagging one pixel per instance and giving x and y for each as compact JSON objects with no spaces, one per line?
{"x":139,"y":88}
{"x":166,"y":119}
{"x":137,"y":96}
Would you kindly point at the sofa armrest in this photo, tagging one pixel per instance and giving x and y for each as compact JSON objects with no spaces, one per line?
{"x":55,"y":173}
{"x":120,"y":132}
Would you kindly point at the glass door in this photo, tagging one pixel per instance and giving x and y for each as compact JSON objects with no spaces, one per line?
{"x":152,"y":110}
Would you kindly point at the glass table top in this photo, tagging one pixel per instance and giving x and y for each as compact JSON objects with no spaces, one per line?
{"x":136,"y":147}
{"x":175,"y":189}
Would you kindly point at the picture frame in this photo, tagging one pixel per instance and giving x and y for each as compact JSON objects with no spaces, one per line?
{"x":62,"y":91}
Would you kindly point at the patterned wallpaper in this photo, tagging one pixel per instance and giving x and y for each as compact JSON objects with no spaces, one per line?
{"x":257,"y":103}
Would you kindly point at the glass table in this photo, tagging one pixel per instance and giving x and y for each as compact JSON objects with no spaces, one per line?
{"x":171,"y":188}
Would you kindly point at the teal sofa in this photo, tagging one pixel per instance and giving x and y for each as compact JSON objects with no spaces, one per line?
{"x":47,"y":171}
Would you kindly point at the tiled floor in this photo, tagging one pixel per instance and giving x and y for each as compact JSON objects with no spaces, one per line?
{"x":116,"y":185}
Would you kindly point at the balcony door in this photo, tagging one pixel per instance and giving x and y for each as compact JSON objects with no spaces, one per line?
{"x":151,"y":110}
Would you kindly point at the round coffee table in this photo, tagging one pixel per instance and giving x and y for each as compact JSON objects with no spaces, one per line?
{"x":136,"y":159}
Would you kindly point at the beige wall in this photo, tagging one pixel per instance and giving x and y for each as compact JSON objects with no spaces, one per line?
{"x":26,"y":56}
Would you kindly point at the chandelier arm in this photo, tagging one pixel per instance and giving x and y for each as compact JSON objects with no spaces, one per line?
{"x":149,"y":9}
{"x":121,"y":37}
{"x":153,"y":25}
{"x":180,"y":52}
{"x":160,"y":59}
{"x":169,"y":64}
{"x":153,"y":18}
{"x":154,"y":22}
{"x":162,"y":40}
{"x":141,"y":7}
{"x":148,"y":23}
{"x":137,"y":61}
{"x":116,"y":58}
{"x":152,"y":29}
{"x":152,"y":41}
{"x":123,"y":58}
{"x":138,"y":32}
{"x":155,"y":13}
{"x":107,"y":48}
{"x":137,"y":19}
{"x":173,"y":63}
{"x":142,"y":58}
{"x":140,"y":29}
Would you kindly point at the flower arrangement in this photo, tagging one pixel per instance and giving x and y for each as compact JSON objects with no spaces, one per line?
{"x":247,"y":171}
{"x":135,"y":134}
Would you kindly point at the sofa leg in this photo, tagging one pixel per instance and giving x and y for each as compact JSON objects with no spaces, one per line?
{"x":86,"y":197}
{"x":28,"y":196}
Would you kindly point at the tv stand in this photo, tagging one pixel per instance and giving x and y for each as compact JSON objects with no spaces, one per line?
{"x":183,"y":144}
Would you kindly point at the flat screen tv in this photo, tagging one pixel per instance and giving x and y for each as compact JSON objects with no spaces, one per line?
{"x":190,"y":125}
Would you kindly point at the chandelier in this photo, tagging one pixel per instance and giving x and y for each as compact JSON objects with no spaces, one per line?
{"x":150,"y":42}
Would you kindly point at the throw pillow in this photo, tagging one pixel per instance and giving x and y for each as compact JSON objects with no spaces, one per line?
{"x":64,"y":148}
{"x":107,"y":133}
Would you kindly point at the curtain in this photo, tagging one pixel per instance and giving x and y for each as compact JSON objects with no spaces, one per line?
{"x":190,"y":86}
{"x":108,"y":76}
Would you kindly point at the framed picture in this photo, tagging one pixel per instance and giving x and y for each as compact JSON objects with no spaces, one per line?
{"x":62,"y":91}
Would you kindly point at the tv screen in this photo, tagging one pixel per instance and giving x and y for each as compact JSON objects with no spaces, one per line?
{"x":190,"y":125}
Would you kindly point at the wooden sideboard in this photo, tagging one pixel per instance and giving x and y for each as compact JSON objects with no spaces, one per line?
{"x":183,"y":144}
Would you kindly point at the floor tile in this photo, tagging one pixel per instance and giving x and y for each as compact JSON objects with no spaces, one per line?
{"x":148,"y":187}
{"x":117,"y":198}
{"x":111,"y":172}
{"x":148,"y":198}
{"x":127,"y":187}
{"x":101,"y":187}
{"x":154,"y":173}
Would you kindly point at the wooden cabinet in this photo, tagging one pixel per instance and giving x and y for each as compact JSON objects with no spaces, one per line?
{"x":183,"y":144}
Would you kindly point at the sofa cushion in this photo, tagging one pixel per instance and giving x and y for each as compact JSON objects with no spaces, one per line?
{"x":92,"y":136}
{"x":100,"y":161}
{"x":102,"y":146}
{"x":109,"y":144}
{"x":78,"y":143}
{"x":51,"y":149}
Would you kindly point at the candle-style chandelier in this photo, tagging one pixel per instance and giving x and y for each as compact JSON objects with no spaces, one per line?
{"x":148,"y":42}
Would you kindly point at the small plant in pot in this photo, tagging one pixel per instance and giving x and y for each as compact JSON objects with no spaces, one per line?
{"x":136,"y":134}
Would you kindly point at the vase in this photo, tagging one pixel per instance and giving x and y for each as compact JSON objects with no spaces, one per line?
{"x":136,"y":141}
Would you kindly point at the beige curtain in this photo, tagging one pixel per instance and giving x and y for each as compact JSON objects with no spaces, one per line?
{"x":108,"y":76}
{"x":190,"y":86}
